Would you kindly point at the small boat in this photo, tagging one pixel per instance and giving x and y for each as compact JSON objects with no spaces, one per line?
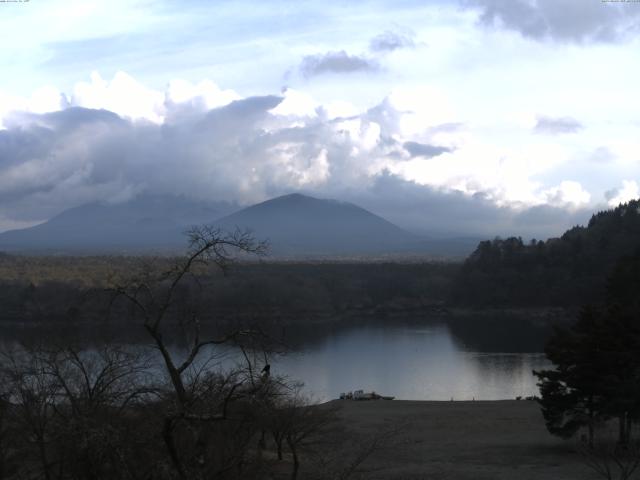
{"x":361,"y":395}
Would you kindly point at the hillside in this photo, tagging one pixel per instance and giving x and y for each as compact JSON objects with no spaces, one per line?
{"x":300,"y":225}
{"x":296,"y":226}
{"x":144,"y":223}
{"x":564,"y":271}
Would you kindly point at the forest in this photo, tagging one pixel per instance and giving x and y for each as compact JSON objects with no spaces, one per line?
{"x":39,"y":290}
{"x":558,"y":272}
{"x":501,"y":280}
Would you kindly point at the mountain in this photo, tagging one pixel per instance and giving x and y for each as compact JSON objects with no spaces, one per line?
{"x":301,"y":225}
{"x":295,"y":225}
{"x":148,"y":222}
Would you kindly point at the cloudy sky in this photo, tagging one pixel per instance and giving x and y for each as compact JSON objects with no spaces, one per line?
{"x":463,"y":116}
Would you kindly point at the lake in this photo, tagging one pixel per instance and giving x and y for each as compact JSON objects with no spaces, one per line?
{"x":410,"y":363}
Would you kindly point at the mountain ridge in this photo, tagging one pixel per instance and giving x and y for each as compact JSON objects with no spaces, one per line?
{"x":148,"y":221}
{"x":300,"y":224}
{"x":296,"y":225}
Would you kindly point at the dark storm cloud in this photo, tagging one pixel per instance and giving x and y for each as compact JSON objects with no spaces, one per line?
{"x":57,"y":160}
{"x":557,"y":126}
{"x":561,"y":20}
{"x":336,"y":62}
{"x":239,"y":153}
{"x":416,"y":149}
{"x":389,"y":41}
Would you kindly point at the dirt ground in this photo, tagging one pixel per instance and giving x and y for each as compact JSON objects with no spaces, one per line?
{"x":462,"y":440}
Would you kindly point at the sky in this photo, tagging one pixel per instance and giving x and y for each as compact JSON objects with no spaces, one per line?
{"x":465,"y":117}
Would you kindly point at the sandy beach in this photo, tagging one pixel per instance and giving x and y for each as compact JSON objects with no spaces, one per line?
{"x":463,"y":440}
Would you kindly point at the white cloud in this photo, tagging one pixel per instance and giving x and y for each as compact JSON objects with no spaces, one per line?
{"x":42,"y":100}
{"x":122,"y":95}
{"x":294,"y":165}
{"x":296,"y":103}
{"x":198,"y":139}
{"x":568,"y":193}
{"x":47,"y":99}
{"x":340,"y":109}
{"x":630,"y":190}
{"x":8,"y":104}
{"x":422,"y":106}
{"x":182,"y":91}
{"x":365,"y":135}
{"x":440,"y":79}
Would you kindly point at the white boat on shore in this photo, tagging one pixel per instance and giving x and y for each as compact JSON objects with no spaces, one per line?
{"x":362,"y":395}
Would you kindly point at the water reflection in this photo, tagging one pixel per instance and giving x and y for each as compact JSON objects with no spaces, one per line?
{"x":410,"y":363}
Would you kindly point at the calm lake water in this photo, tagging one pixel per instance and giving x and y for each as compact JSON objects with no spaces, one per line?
{"x":410,"y":363}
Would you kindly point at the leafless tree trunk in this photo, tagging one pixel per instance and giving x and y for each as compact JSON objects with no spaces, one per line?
{"x":154,"y":297}
{"x":610,"y":459}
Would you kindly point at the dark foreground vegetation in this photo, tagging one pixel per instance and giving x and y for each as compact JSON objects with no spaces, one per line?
{"x":107,"y":414}
{"x":111,"y":413}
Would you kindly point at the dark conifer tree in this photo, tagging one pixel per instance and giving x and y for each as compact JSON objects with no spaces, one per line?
{"x":597,"y":362}
{"x":571,"y":394}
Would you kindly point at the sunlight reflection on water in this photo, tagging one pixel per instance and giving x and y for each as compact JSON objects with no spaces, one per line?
{"x":411,"y":364}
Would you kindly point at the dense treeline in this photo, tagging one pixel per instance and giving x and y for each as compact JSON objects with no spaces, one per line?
{"x":45,"y":290}
{"x":559,"y":272}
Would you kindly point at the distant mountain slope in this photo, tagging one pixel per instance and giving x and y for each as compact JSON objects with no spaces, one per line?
{"x":566,"y":271}
{"x":147,"y":222}
{"x":298,"y":224}
{"x":295,"y":225}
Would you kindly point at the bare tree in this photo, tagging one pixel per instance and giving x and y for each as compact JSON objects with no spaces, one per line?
{"x":33,"y":397}
{"x":611,"y":460}
{"x":345,"y":453}
{"x":196,"y":401}
{"x":177,"y":413}
{"x":67,"y":411}
{"x":5,"y":426}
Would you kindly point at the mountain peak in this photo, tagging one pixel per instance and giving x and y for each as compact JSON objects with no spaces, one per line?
{"x":300,"y":224}
{"x":296,"y":225}
{"x":297,"y":197}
